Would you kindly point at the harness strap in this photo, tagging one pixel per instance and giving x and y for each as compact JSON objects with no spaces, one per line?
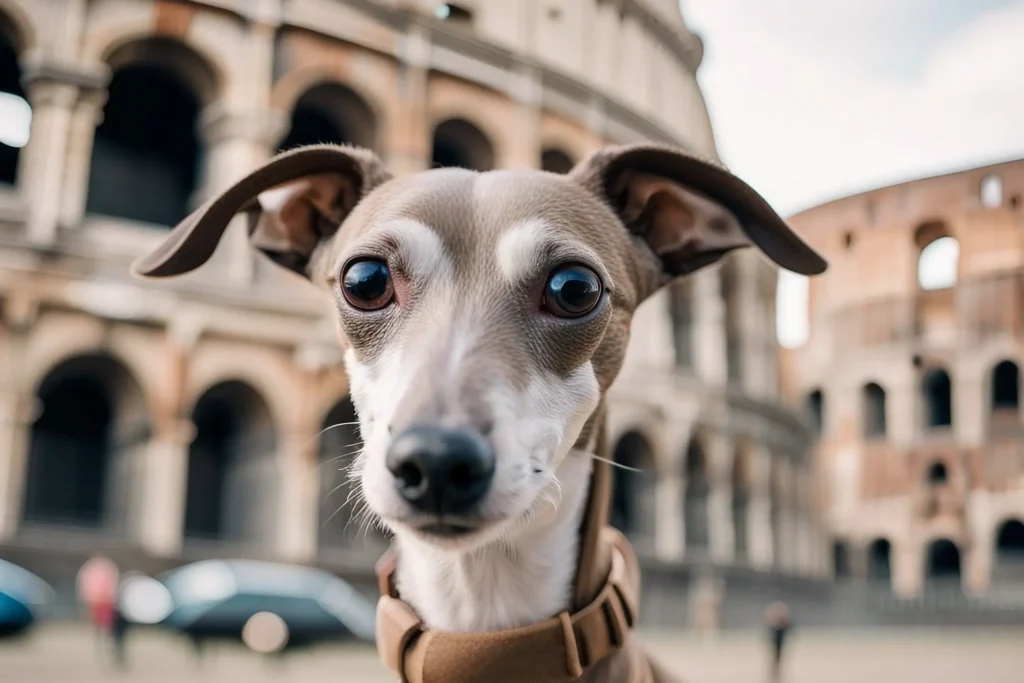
{"x":557,"y":650}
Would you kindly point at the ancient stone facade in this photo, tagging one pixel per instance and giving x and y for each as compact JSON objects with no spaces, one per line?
{"x":183,"y":419}
{"x":911,"y":373}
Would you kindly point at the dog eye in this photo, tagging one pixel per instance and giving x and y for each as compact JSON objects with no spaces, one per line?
{"x":572,"y":291}
{"x":367,"y":285}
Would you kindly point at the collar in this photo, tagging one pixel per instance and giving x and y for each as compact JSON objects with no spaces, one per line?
{"x":558,"y":650}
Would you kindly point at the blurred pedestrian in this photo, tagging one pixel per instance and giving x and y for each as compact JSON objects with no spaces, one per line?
{"x":119,"y":623}
{"x":776,"y":618}
{"x":97,"y":587}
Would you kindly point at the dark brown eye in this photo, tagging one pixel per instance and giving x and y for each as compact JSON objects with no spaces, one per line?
{"x":367,"y":284}
{"x":572,"y":291}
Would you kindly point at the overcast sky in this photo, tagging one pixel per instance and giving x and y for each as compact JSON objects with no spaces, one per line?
{"x":815,"y":99}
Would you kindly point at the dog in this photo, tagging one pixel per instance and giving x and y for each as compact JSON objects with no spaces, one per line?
{"x":483,"y":318}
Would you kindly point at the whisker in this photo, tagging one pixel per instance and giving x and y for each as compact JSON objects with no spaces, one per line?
{"x":615,"y":464}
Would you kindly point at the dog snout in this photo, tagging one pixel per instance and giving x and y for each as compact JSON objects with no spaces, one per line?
{"x":441,"y":470}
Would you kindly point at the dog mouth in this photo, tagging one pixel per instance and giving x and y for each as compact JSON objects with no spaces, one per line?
{"x":446,"y":530}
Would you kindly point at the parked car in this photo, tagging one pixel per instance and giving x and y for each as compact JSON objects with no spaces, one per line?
{"x":22,"y":596}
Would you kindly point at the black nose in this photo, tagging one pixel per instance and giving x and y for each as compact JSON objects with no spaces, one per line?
{"x":441,"y":470}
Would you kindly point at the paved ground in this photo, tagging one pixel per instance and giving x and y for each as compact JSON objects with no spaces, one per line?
{"x":63,"y":655}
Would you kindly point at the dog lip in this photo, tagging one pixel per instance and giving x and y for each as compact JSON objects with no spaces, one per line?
{"x":446,"y":529}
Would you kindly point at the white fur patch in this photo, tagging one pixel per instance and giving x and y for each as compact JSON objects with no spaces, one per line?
{"x":519,"y":248}
{"x":423,"y":251}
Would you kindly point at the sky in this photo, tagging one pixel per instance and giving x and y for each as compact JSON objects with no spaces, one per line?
{"x":816,"y":99}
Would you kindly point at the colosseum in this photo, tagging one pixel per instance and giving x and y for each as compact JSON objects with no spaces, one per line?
{"x":164,"y":424}
{"x":911,"y":376}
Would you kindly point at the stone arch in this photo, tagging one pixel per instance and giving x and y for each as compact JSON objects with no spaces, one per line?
{"x":1005,"y":386}
{"x":741,"y":479}
{"x":1009,"y":548}
{"x":148,"y":138}
{"x":873,"y":410}
{"x":87,"y":446}
{"x":459,"y":143}
{"x":942,"y":561}
{"x":937,"y":398}
{"x":332,"y":112}
{"x":880,"y":561}
{"x":938,"y":256}
{"x":695,"y":496}
{"x":15,"y":111}
{"x":633,"y":504}
{"x":556,"y":160}
{"x":232,"y":467}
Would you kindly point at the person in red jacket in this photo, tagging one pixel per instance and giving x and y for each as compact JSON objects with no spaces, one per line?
{"x":97,"y":590}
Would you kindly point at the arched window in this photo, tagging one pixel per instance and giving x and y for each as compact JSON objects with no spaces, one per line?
{"x":695,"y":512}
{"x":331,"y":113}
{"x":943,"y":560}
{"x":990,"y":191}
{"x":879,"y":560}
{"x":873,"y":399}
{"x":1010,"y":544}
{"x":633,"y":510}
{"x":15,"y":112}
{"x":148,"y":138}
{"x":939,"y":261}
{"x":937,"y":391}
{"x":937,"y":474}
{"x":814,"y":405}
{"x":460,"y":144}
{"x":84,"y":445}
{"x":556,"y":161}
{"x":232,"y":469}
{"x":1005,"y":385}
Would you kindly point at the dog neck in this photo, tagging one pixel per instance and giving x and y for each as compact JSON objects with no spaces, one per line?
{"x":523,"y":578}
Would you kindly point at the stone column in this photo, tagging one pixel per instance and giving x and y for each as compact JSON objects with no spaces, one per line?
{"x":408,"y":146}
{"x":161,"y":526}
{"x":759,"y":520}
{"x":709,"y":327}
{"x":650,"y":335}
{"x":981,"y":543}
{"x":16,"y":416}
{"x":527,"y":90}
{"x":903,"y":420}
{"x":721,"y":530}
{"x":42,"y":162}
{"x":670,"y":532}
{"x":971,"y":405}
{"x":298,"y":521}
{"x":907,"y":568}
{"x":85,"y":118}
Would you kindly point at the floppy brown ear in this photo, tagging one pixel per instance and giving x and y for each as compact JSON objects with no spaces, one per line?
{"x":690,"y":212}
{"x":293,"y":203}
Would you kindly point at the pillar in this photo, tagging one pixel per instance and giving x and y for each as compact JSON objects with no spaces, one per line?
{"x":85,"y":118}
{"x":408,"y":147}
{"x":760,"y":534}
{"x":42,"y":164}
{"x":299,"y":497}
{"x":721,"y":530}
{"x":165,"y":483}
{"x":669,"y":530}
{"x":650,"y":342}
{"x":709,"y":327}
{"x":907,"y":559}
{"x":16,"y":416}
{"x":527,"y":90}
{"x":971,"y":404}
{"x":978,"y":555}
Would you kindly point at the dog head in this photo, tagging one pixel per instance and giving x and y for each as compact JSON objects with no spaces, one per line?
{"x":483,"y":315}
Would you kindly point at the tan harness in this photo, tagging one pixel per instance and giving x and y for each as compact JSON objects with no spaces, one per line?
{"x":558,"y":650}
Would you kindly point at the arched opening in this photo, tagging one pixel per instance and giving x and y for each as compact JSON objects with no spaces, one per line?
{"x":990,"y":191}
{"x":15,"y":112}
{"x":1010,"y":545}
{"x":681,"y":302}
{"x":695,"y":513}
{"x":937,"y":392}
{"x":633,"y":510}
{"x":937,"y":474}
{"x":556,"y":161}
{"x":943,"y":561}
{"x":740,"y":502}
{"x":873,"y":399}
{"x":939,"y":257}
{"x":1005,"y":386}
{"x":232,"y":469}
{"x":459,"y":144}
{"x":331,"y":113}
{"x":148,"y":139}
{"x":86,"y":446}
{"x":814,"y":406}
{"x":841,"y":560}
{"x":879,"y":561}
{"x":344,"y":520}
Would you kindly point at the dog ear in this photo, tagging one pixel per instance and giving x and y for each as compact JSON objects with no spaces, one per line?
{"x":690,"y":212}
{"x":293,"y":203}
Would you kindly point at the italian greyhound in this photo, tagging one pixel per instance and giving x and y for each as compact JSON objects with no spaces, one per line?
{"x":483,"y":317}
